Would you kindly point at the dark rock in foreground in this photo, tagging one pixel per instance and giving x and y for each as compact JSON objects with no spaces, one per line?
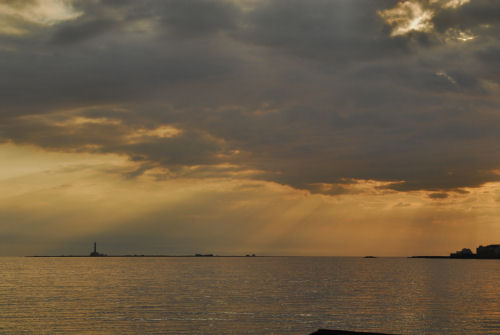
{"x":342,"y":332}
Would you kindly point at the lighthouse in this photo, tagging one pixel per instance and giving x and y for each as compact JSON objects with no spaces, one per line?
{"x":95,"y":253}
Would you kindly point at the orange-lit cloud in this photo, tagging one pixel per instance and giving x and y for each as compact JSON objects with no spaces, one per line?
{"x":70,"y":199}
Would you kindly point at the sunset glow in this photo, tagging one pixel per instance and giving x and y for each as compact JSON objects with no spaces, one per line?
{"x":271,"y":127}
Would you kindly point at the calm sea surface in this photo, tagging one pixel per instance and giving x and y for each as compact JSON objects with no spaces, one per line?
{"x":283,"y":295}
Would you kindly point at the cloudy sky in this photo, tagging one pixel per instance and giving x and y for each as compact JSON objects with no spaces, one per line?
{"x":291,"y":127}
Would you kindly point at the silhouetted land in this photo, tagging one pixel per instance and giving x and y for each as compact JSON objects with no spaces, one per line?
{"x":342,"y":332}
{"x":491,"y":251}
{"x":429,"y":257}
{"x":95,"y":253}
{"x":192,"y":256}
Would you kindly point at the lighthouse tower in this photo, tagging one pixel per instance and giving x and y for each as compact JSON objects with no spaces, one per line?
{"x":95,"y":253}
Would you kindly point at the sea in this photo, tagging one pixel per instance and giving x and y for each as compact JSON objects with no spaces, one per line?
{"x":248,"y":295}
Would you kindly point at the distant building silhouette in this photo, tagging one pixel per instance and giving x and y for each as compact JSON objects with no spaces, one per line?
{"x":464,"y":253}
{"x":490,"y":251}
{"x":95,"y":253}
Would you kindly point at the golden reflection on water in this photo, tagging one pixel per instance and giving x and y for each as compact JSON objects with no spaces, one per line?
{"x":281,"y":295}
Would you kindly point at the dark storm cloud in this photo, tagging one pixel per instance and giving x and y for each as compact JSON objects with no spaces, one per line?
{"x":75,"y":32}
{"x":345,"y":30}
{"x":194,"y":18}
{"x":476,"y":14}
{"x":180,"y":19}
{"x":48,"y":78}
{"x":305,"y":92}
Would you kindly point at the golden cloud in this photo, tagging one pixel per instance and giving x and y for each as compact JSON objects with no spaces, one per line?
{"x":13,"y":16}
{"x":416,"y":16}
{"x":408,"y":16}
{"x":143,"y":134}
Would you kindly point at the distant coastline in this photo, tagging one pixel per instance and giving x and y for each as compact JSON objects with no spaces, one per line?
{"x":491,"y":251}
{"x":95,"y":253}
{"x":172,"y":256}
{"x":429,"y":257}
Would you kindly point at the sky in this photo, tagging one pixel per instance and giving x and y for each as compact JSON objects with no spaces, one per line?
{"x":274,"y":127}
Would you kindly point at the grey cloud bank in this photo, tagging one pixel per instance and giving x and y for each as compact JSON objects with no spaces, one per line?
{"x":305,"y":92}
